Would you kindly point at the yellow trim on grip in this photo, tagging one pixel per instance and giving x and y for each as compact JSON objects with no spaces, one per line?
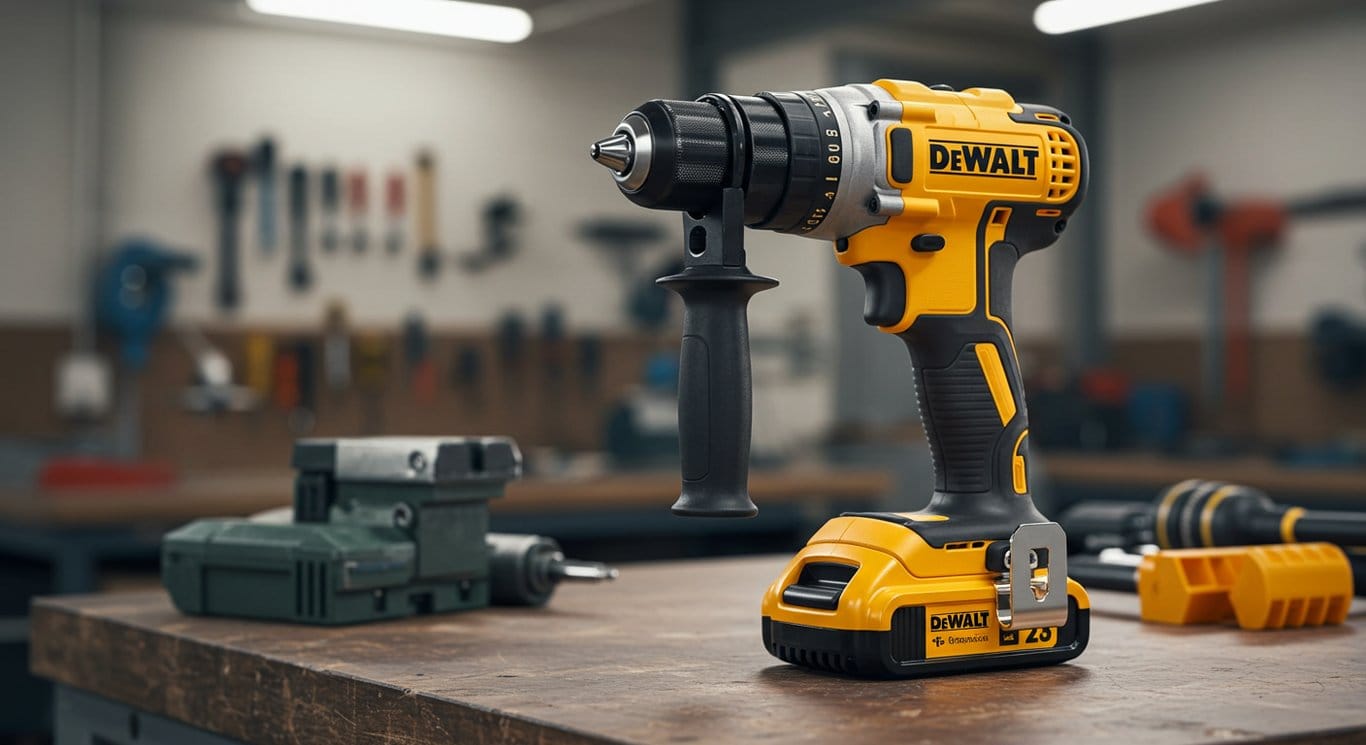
{"x":1018,"y":474}
{"x":997,"y":382}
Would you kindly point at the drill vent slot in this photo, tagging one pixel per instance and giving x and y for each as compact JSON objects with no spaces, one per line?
{"x":1062,"y":165}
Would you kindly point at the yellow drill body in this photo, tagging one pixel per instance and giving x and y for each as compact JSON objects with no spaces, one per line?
{"x":932,"y":195}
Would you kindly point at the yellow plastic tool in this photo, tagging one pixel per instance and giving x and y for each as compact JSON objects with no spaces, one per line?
{"x":1263,"y":587}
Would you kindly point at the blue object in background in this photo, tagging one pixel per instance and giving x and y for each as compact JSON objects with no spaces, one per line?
{"x":661,"y":372}
{"x":133,"y":295}
{"x":1159,"y":415}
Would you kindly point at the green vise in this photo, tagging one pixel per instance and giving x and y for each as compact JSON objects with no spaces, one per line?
{"x":381,"y":527}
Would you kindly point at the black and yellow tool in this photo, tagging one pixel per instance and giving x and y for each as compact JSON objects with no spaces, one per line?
{"x":1199,"y":513}
{"x":1261,"y":587}
{"x":931,"y":194}
{"x":1203,"y":513}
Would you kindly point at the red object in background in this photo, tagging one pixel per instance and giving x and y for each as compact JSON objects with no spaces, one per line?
{"x":1173,"y":216}
{"x":1188,"y":218}
{"x":395,"y":194}
{"x":357,"y":193}
{"x":1105,"y":386}
{"x":422,"y":380}
{"x":285,"y":387}
{"x":79,"y":473}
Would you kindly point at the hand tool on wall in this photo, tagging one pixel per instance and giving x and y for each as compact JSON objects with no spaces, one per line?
{"x":1261,"y":587}
{"x":417,"y":357}
{"x":358,"y":200}
{"x":292,"y":389}
{"x":284,"y":386}
{"x":412,"y":539}
{"x":511,"y":344}
{"x":212,"y":390}
{"x":373,"y":355}
{"x":229,"y":169}
{"x":1191,"y":218}
{"x":467,"y":374}
{"x":260,"y":372}
{"x":329,"y":187}
{"x":264,"y":167}
{"x":500,"y":218}
{"x":590,"y":365}
{"x":624,"y":243}
{"x":395,"y":211}
{"x":300,"y":273}
{"x":429,"y":252}
{"x":932,"y":195}
{"x":336,"y":348}
{"x":134,"y":294}
{"x":305,"y":414}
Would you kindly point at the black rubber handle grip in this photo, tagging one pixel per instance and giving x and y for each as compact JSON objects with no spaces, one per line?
{"x":714,"y":389}
{"x":972,"y":404}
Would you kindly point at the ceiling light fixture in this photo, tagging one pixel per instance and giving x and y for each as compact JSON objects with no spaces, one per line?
{"x":1066,"y":16}
{"x":440,"y":17}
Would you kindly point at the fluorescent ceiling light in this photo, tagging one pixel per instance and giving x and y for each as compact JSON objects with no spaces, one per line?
{"x":440,"y":17}
{"x":1065,"y":16}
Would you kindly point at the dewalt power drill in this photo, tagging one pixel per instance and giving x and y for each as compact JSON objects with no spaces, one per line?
{"x":931,"y":194}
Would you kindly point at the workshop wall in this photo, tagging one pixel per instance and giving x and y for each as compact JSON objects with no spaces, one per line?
{"x":35,"y":182}
{"x":180,"y":82}
{"x":1271,"y":105}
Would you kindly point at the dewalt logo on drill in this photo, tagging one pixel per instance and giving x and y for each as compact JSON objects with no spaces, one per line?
{"x":958,"y":158}
{"x":959,"y":621}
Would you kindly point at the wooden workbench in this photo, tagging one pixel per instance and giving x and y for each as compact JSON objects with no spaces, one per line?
{"x":670,"y":653}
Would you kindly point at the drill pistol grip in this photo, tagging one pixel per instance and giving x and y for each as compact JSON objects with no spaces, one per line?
{"x":951,"y":307}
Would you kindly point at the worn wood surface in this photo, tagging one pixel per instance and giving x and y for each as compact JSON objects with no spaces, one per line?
{"x":240,"y":492}
{"x":671,"y":653}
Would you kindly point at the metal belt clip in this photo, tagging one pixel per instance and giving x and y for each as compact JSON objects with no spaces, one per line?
{"x":1024,"y":601}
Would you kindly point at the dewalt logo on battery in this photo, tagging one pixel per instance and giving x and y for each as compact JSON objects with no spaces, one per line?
{"x":957,"y":158}
{"x":959,"y":621}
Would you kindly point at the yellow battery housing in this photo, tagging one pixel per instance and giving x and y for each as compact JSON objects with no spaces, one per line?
{"x":1262,"y":587}
{"x":849,"y":602}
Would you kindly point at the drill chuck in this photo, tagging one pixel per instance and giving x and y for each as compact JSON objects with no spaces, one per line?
{"x":777,"y":147}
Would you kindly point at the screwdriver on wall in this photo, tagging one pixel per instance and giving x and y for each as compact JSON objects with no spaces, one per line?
{"x":336,"y":348}
{"x":395,"y":209}
{"x":267,"y":178}
{"x":358,"y":199}
{"x":429,"y":254}
{"x":300,"y":275}
{"x":331,"y":209}
{"x":229,"y":170}
{"x":418,"y":358}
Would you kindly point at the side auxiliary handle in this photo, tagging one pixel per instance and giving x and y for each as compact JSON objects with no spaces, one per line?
{"x":714,"y":406}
